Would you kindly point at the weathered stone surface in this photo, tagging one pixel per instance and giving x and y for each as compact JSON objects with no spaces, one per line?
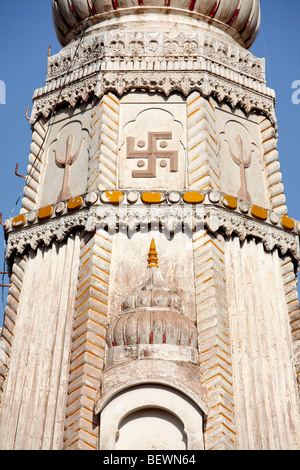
{"x":163,"y":129}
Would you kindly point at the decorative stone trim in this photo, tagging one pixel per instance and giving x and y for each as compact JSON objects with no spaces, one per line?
{"x":88,"y":342}
{"x":75,"y":203}
{"x":10,"y":317}
{"x":163,"y":81}
{"x":273,"y":173}
{"x":29,"y":201}
{"x":259,"y":212}
{"x":217,"y":212}
{"x":156,"y":62}
{"x":155,"y":47}
{"x":112,"y":197}
{"x":104,"y":151}
{"x":44,"y":99}
{"x":264,"y":377}
{"x":292,"y":301}
{"x":214,"y":340}
{"x":46,"y":212}
{"x":193,"y":197}
{"x":240,"y":21}
{"x":203,"y":158}
{"x":18,"y":221}
{"x":152,"y":197}
{"x":287,"y":222}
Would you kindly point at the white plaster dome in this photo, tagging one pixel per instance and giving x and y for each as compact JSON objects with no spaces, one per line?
{"x":152,"y":314}
{"x":239,"y":18}
{"x":152,"y":326}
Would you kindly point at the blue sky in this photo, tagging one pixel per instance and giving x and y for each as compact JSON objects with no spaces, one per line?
{"x":25,"y":35}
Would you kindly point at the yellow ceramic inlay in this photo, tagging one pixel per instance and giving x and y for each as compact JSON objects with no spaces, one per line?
{"x":19,"y":221}
{"x":287,"y":222}
{"x":152,"y":198}
{"x":75,"y":203}
{"x":45,"y":212}
{"x":152,"y":256}
{"x":193,"y":197}
{"x":259,"y":212}
{"x":230,"y":201}
{"x":112,"y":197}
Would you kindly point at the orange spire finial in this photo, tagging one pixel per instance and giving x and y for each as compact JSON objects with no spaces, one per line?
{"x":152,"y":256}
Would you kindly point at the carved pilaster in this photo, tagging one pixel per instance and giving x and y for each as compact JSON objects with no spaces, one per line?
{"x":10,"y":316}
{"x":214,"y":340}
{"x":88,"y":341}
{"x":274,"y":176}
{"x":35,"y":167}
{"x":203,"y":165}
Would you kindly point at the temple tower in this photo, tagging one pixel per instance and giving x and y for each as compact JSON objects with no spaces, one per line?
{"x":153,"y":300}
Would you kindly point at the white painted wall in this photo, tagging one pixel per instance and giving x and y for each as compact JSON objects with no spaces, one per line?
{"x":33,"y":407}
{"x":266,"y":394}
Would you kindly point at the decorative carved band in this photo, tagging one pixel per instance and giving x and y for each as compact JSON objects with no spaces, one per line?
{"x":104,"y":151}
{"x":157,"y":61}
{"x":190,"y":210}
{"x":155,"y":46}
{"x":163,"y":81}
{"x":10,"y":318}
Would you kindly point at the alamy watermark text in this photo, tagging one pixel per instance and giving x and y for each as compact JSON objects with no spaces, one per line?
{"x":296,"y":93}
{"x":2,"y":92}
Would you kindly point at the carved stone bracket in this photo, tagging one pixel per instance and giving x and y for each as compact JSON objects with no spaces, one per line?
{"x":211,"y":214}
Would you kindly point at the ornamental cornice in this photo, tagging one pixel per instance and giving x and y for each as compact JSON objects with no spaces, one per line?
{"x":131,"y":211}
{"x":155,"y":62}
{"x":166,"y":82}
{"x":124,"y":47}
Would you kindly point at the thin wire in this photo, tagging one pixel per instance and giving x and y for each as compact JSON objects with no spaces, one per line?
{"x":266,"y":55}
{"x":47,"y":131}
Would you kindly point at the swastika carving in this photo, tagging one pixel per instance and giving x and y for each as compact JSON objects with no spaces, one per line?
{"x":152,"y":154}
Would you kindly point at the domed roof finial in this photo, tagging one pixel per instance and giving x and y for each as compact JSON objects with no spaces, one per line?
{"x":152,"y":256}
{"x":152,"y":314}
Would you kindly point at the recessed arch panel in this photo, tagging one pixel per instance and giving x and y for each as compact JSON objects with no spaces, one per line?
{"x":141,"y":409}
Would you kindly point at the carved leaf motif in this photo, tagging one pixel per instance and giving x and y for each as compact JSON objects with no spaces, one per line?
{"x":90,"y":225}
{"x":213,"y":223}
{"x":270,"y":243}
{"x":61,"y":233}
{"x":34,"y":242}
{"x":132,"y":224}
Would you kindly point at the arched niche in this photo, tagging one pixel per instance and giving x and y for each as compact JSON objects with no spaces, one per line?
{"x":151,"y":428}
{"x":130,"y":420}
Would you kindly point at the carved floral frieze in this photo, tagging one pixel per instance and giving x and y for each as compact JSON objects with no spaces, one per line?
{"x":161,"y":46}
